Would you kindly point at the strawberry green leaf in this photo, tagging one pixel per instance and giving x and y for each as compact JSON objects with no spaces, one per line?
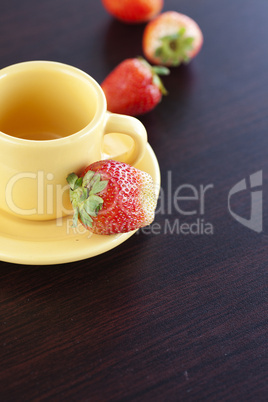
{"x":161,"y":70}
{"x":71,"y":179}
{"x":93,"y":204}
{"x":75,"y":196}
{"x":87,"y":178}
{"x":84,"y":195}
{"x":78,"y":183}
{"x":94,"y":182}
{"x":98,"y":186}
{"x":158,"y":82}
{"x":85,"y":218}
{"x":75,"y":217}
{"x":156,"y":71}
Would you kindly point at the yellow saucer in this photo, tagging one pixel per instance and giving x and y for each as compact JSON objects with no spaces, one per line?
{"x":55,"y":242}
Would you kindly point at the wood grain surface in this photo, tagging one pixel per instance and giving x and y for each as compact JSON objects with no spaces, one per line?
{"x":167,"y":315}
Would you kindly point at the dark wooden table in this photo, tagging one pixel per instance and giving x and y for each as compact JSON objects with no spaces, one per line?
{"x":177,"y":312}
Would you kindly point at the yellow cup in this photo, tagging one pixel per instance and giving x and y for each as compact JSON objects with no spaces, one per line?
{"x":53,"y":118}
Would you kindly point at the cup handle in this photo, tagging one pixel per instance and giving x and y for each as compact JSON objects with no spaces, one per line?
{"x":118,"y":124}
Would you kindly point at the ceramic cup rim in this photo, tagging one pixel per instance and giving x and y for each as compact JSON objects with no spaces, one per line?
{"x":65,"y":68}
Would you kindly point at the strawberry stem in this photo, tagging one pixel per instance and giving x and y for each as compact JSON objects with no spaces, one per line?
{"x":160,"y":70}
{"x":175,"y":48}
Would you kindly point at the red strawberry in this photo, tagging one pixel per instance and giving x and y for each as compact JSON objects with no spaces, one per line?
{"x":133,"y":11}
{"x":112,"y":197}
{"x":171,"y":38}
{"x":134,"y":87}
